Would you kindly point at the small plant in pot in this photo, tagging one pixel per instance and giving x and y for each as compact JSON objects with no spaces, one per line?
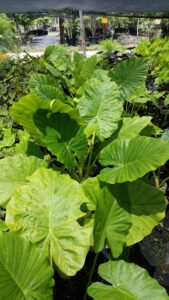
{"x":91,"y":23}
{"x":71,"y":32}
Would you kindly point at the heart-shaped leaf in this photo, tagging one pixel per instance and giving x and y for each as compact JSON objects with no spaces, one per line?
{"x":47,"y":212}
{"x":24,"y":111}
{"x":132,"y":159}
{"x":46,"y":87}
{"x":130,"y":74}
{"x":112,"y":222}
{"x":126,"y":282}
{"x":145,"y":204}
{"x":100,"y":106}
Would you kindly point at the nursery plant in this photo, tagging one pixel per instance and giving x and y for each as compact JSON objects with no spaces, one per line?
{"x":110,"y":46}
{"x":156,"y":50}
{"x":94,"y":188}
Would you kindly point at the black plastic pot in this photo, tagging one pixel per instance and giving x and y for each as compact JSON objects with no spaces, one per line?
{"x":93,"y":40}
{"x":71,"y":41}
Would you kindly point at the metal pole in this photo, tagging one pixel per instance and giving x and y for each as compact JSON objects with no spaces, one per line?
{"x":82,"y":33}
{"x":137,"y":27}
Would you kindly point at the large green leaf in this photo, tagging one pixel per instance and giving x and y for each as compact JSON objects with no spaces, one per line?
{"x":46,"y":87}
{"x":126,"y":282}
{"x":85,"y":70}
{"x":100,"y":107}
{"x":130,"y":74}
{"x":132,"y":127}
{"x":24,"y":271}
{"x":42,"y":79}
{"x":24,"y":111}
{"x":62,"y":136}
{"x":145,"y":204}
{"x":49,"y":93}
{"x":112,"y":222}
{"x":59,"y":55}
{"x":14,"y":172}
{"x":46,"y":212}
{"x":132,"y":159}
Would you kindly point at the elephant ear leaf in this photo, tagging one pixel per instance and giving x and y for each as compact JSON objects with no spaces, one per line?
{"x":46,"y":87}
{"x":42,"y":79}
{"x":85,"y":70}
{"x":25,"y":273}
{"x":62,"y":136}
{"x":130,"y":75}
{"x":133,"y":126}
{"x":100,"y":107}
{"x":112,"y":223}
{"x":145,"y":211}
{"x":23,"y":112}
{"x":132,"y":159}
{"x":47,"y":213}
{"x":14,"y":173}
{"x":127,"y":281}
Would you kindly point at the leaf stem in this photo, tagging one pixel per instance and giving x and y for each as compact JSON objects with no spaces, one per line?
{"x":80,"y":170}
{"x":91,"y":275}
{"x":90,"y":156}
{"x":132,"y":110}
{"x":156,"y":180}
{"x":126,"y":109}
{"x":75,"y":176}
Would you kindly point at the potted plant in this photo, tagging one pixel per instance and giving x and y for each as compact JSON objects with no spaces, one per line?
{"x":70,"y":31}
{"x":91,"y":24}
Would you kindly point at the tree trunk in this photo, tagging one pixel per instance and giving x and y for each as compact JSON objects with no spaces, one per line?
{"x":61,"y":27}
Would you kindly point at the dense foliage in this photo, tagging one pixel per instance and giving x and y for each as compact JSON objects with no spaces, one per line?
{"x":15,"y":75}
{"x":157,"y":50}
{"x":8,"y":41}
{"x":81,"y":178}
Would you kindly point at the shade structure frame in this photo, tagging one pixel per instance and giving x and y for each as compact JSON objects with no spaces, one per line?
{"x":133,"y":6}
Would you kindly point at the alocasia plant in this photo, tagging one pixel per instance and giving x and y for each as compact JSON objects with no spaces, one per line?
{"x":92,"y":193}
{"x":127,"y":282}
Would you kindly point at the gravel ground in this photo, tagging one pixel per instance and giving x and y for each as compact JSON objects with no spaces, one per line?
{"x":39,"y":44}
